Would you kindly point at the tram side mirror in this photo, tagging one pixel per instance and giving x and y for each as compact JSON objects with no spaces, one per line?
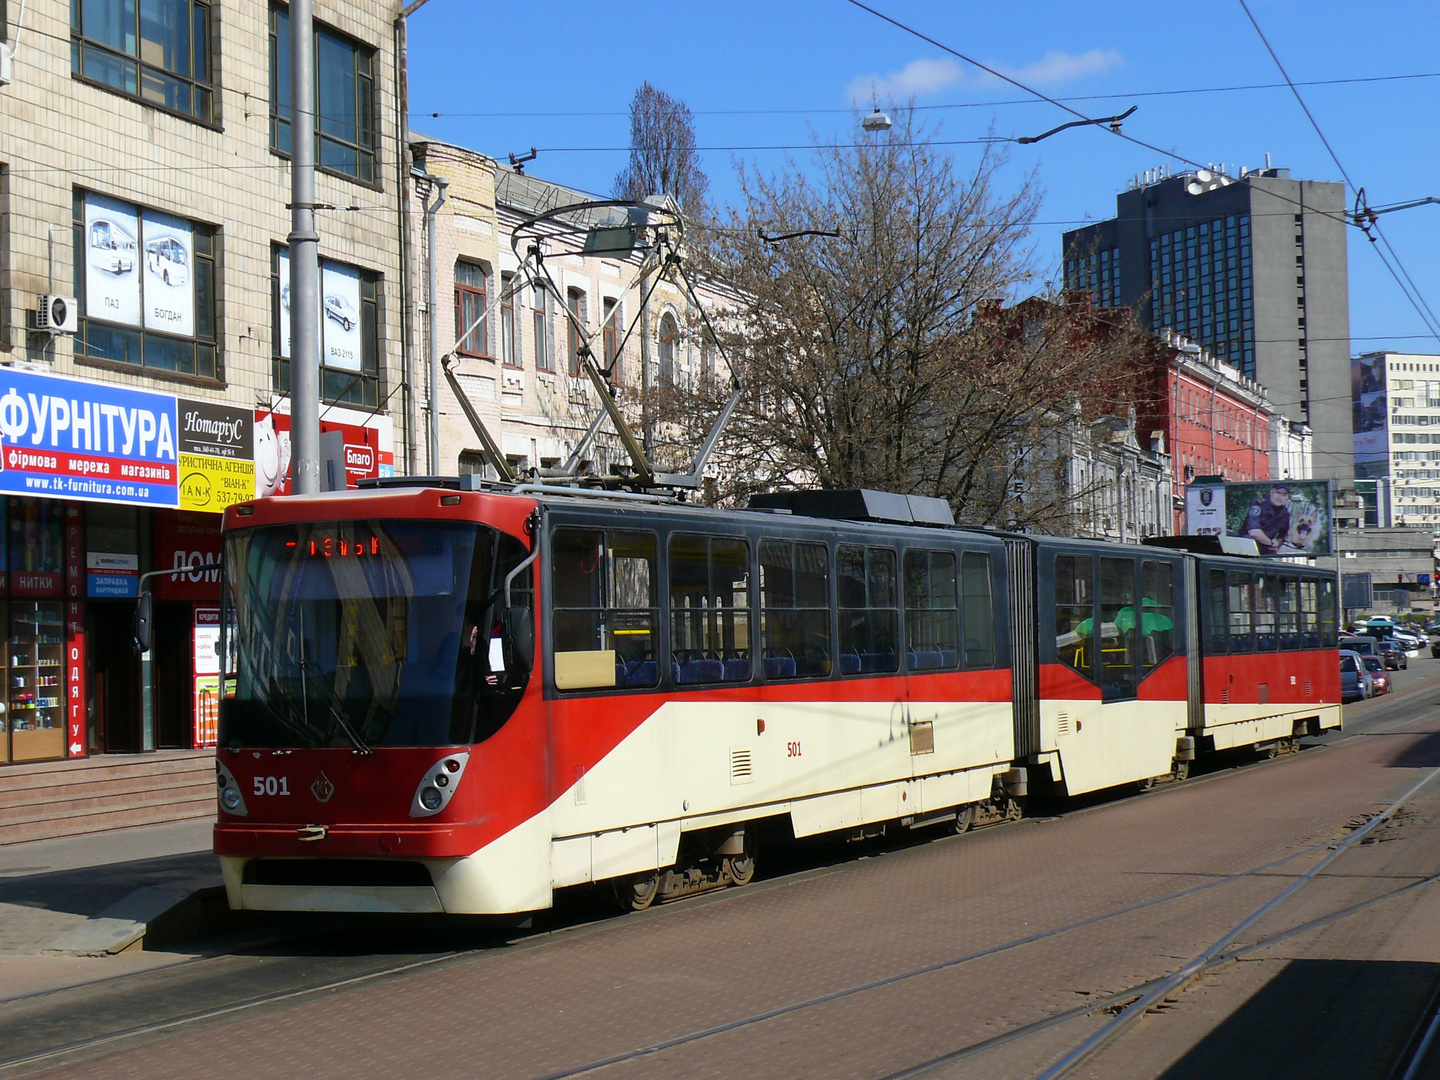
{"x":142,"y":622}
{"x":519,"y":625}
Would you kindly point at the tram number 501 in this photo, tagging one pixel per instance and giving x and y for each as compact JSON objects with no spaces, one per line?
{"x":272,"y":785}
{"x":792,"y":749}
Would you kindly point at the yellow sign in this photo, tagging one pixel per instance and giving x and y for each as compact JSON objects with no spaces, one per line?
{"x":213,"y":483}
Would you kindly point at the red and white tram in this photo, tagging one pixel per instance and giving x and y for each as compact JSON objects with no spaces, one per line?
{"x":462,"y":700}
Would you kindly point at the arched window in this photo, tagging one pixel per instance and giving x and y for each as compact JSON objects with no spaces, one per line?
{"x":669,"y":339}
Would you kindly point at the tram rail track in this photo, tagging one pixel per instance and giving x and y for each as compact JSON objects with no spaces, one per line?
{"x":1128,"y":1001}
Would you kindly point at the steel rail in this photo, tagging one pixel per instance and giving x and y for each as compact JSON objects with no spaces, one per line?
{"x":1200,"y":963}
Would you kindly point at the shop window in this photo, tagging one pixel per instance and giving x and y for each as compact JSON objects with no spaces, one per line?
{"x":932,"y":611}
{"x":157,"y":51}
{"x":606,"y":608}
{"x":709,"y":609}
{"x":1075,"y":640}
{"x":869,"y":611}
{"x":794,"y":609}
{"x":472,"y":336}
{"x":346,"y":139}
{"x":147,"y":288}
{"x":349,"y":331}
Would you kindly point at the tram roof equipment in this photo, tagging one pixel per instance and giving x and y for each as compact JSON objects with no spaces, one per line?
{"x":859,"y":504}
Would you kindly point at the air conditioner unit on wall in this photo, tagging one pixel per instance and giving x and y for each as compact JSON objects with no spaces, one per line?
{"x":58,"y":314}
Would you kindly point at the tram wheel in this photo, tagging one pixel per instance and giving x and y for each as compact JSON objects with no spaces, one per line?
{"x":638,"y":893}
{"x":1181,"y":770}
{"x":742,"y":869}
{"x":1145,"y":785}
{"x":964,"y":818}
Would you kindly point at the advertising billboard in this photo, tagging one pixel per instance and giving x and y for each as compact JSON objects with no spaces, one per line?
{"x":368,"y":442}
{"x":1369,"y":413}
{"x":340,"y":340}
{"x":112,"y":263}
{"x":1283,"y":517}
{"x":169,"y":281}
{"x":1205,"y":510}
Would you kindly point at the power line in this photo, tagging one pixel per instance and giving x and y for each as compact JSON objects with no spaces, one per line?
{"x":1427,"y":316}
{"x":822,"y":111}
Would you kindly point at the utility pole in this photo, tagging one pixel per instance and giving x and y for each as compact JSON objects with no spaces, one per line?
{"x":304,"y":245}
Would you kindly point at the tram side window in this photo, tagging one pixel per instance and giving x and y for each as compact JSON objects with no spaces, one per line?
{"x":1157,"y":614}
{"x":605,"y":608}
{"x":932,"y":611}
{"x":1218,"y":641}
{"x":1329,"y":631}
{"x":979,"y":612}
{"x":1309,"y":613}
{"x":1288,"y":612}
{"x":1267,"y":589}
{"x":1240,"y":608}
{"x":709,"y":609}
{"x":1075,"y":612}
{"x":794,"y":609}
{"x":869,"y":617}
{"x":1117,"y":629}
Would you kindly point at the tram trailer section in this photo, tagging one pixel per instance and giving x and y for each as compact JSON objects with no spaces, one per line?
{"x":703,"y":678}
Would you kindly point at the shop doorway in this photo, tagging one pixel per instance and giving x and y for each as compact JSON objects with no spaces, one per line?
{"x":114,"y":676}
{"x":170,"y":664}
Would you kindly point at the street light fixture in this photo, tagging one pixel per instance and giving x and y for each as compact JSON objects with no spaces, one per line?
{"x":877,"y":121}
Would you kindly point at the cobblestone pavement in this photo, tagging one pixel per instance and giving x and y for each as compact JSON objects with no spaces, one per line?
{"x":876,"y":965}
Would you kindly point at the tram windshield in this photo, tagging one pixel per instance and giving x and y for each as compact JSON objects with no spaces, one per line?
{"x":368,"y":634}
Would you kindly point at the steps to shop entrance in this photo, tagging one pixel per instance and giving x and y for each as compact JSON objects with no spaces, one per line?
{"x":71,"y":798}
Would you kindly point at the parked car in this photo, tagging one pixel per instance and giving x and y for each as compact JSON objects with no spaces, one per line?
{"x":1355,"y":682}
{"x":1435,"y":647}
{"x":1376,"y":667}
{"x":1393,"y":655}
{"x":1362,"y":644}
{"x":1408,"y":642}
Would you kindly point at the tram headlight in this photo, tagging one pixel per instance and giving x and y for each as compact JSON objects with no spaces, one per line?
{"x":438,"y":786}
{"x":230,"y":798}
{"x":432,"y":798}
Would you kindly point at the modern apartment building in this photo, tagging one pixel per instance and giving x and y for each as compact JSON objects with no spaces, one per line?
{"x":1253,"y":269}
{"x":144,"y":182}
{"x":1395,"y":403}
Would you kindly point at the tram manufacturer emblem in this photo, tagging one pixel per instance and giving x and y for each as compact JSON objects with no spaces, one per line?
{"x":322,"y":788}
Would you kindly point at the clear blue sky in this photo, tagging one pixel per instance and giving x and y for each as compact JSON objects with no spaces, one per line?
{"x":560,"y":75}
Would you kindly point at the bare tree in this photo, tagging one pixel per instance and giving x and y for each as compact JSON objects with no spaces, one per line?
{"x":881,"y":355}
{"x":663,"y":158}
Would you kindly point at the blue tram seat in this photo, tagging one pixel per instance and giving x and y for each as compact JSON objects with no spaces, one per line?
{"x":699,"y":671}
{"x":737,"y":669}
{"x":948,"y":657}
{"x":640,"y":673}
{"x":849,"y":663}
{"x":779,"y":667}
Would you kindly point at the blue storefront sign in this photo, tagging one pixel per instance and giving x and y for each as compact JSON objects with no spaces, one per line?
{"x":67,"y":438}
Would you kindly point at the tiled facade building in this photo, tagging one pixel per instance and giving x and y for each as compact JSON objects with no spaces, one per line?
{"x":144,"y":178}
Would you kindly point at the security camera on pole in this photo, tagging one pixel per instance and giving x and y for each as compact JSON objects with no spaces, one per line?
{"x":304,"y":243}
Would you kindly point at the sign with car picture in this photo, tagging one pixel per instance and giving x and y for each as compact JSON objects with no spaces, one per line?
{"x":340,"y":340}
{"x":1283,"y":517}
{"x":169,"y":279}
{"x":112,"y":265}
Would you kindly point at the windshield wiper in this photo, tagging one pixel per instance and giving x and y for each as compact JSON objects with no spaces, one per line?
{"x":361,"y":746}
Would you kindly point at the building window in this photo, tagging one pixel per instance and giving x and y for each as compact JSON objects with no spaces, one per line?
{"x":509,"y":346}
{"x":349,"y":331}
{"x":669,"y":339}
{"x":346,"y":140}
{"x":611,"y":336}
{"x":146,"y":286}
{"x":540,"y":316}
{"x":575,"y":327}
{"x":471,"y":326}
{"x":157,"y":51}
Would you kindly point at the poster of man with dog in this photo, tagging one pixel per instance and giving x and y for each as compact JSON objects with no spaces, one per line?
{"x":1283,"y":517}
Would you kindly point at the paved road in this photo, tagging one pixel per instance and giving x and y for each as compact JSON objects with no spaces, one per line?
{"x":985,"y":955}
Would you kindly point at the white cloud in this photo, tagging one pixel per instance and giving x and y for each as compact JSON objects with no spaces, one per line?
{"x":1059,"y":67}
{"x":915,"y":79}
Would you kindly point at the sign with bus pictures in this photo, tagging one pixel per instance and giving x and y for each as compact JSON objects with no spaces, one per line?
{"x":1283,"y":517}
